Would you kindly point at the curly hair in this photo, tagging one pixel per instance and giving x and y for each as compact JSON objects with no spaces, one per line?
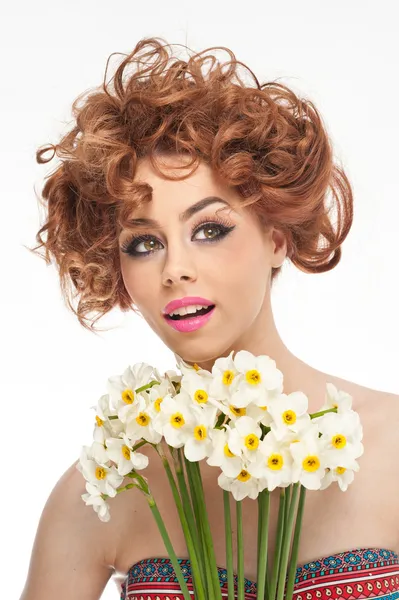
{"x":263,"y":140}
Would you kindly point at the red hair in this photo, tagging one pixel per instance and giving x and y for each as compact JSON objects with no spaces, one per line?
{"x":262,"y":139}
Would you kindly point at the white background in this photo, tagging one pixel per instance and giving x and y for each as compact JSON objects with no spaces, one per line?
{"x":343,"y":55}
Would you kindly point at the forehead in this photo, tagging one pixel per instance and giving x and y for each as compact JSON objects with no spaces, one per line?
{"x":175,"y":165}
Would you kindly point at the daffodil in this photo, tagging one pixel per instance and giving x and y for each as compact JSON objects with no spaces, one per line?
{"x":121,"y":389}
{"x":274,"y":463}
{"x":198,"y":444}
{"x":258,"y":380}
{"x":174,"y":419}
{"x":221,"y":455}
{"x":338,"y":399}
{"x":341,"y":433}
{"x":308,"y":460}
{"x":121,"y":452}
{"x":289,"y":414}
{"x":106,"y":478}
{"x":242,"y":486}
{"x":93,"y":497}
{"x":244,"y":438}
{"x":342,"y":475}
{"x":224,"y":377}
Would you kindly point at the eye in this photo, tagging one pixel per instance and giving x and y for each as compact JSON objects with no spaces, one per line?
{"x":130,"y":246}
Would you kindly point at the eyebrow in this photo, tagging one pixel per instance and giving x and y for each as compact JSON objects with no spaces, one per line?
{"x":184,"y":216}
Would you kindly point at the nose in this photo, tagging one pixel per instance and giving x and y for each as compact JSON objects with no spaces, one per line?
{"x":178,"y":267}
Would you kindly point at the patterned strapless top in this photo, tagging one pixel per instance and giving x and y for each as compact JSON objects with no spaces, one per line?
{"x":350,"y":575}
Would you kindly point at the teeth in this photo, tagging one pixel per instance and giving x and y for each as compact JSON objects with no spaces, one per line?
{"x":185,"y":310}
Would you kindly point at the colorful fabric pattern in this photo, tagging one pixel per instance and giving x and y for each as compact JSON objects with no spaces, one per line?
{"x":351,"y":575}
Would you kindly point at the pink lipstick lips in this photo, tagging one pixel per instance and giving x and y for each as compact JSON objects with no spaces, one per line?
{"x":185,"y":322}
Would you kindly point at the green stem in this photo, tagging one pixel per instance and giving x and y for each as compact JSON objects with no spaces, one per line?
{"x":263,"y":527}
{"x":322,"y":412}
{"x":295,"y":545}
{"x":229,"y":545}
{"x":139,"y":444}
{"x":195,"y":567}
{"x":240,"y":552}
{"x":287,"y":506}
{"x":188,"y":510}
{"x":209,"y":549}
{"x":194,"y":501}
{"x":287,"y":542}
{"x":169,"y":547}
{"x":279,"y":540}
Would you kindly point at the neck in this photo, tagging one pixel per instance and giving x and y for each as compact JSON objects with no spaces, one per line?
{"x":262,"y":338}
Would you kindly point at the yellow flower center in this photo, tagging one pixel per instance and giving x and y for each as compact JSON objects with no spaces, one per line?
{"x":253,"y":377}
{"x":227,"y":451}
{"x":239,"y":412}
{"x":177,"y":420}
{"x":200,"y":432}
{"x":201,"y":396}
{"x":143,"y":419}
{"x":339,"y":441}
{"x":243,"y":475}
{"x":100,"y":422}
{"x":335,"y":406}
{"x":289,"y":417}
{"x":126,"y":452}
{"x":263,"y":407}
{"x":128,"y":396}
{"x":100,"y":473}
{"x":311,"y":463}
{"x":340,"y":470}
{"x":275,"y":462}
{"x":251,"y":441}
{"x":228,"y":377}
{"x":157,"y":404}
{"x":196,"y":367}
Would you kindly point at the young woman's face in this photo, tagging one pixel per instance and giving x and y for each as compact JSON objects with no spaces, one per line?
{"x":220,"y":253}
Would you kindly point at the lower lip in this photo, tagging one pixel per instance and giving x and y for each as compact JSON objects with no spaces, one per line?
{"x":185,"y":325}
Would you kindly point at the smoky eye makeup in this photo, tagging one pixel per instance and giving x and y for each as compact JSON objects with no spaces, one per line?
{"x":211,"y":223}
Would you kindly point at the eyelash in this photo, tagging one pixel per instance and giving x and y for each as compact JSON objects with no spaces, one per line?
{"x":130,"y":244}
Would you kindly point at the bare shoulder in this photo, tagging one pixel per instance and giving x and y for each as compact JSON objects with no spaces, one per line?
{"x":73,"y":550}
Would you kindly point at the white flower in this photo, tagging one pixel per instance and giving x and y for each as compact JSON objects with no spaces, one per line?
{"x":156,"y":394}
{"x":338,"y":399}
{"x":341,"y":433}
{"x":342,"y":475}
{"x":309,"y":461}
{"x":121,"y":452}
{"x":94,"y":498}
{"x":105,"y":478}
{"x":241,"y":486}
{"x":197,"y":386}
{"x":141,"y":424}
{"x":198,"y":442}
{"x":258,"y":381}
{"x":221,"y":455}
{"x":174,"y":419}
{"x":274,"y":463}
{"x":289,"y":414}
{"x":103,"y":427}
{"x":121,"y":389}
{"x":224,"y":373}
{"x":244,"y":438}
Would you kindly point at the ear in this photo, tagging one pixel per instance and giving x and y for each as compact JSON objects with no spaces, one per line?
{"x":278,"y":246}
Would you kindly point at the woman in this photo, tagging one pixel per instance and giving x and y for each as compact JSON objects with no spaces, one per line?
{"x":181,"y":185}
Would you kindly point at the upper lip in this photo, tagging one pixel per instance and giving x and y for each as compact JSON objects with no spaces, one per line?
{"x":187,"y":301}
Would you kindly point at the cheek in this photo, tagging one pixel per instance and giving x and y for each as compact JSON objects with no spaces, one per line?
{"x":133,"y":276}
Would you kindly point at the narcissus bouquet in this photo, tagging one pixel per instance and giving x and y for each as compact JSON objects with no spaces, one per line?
{"x":238,"y":419}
